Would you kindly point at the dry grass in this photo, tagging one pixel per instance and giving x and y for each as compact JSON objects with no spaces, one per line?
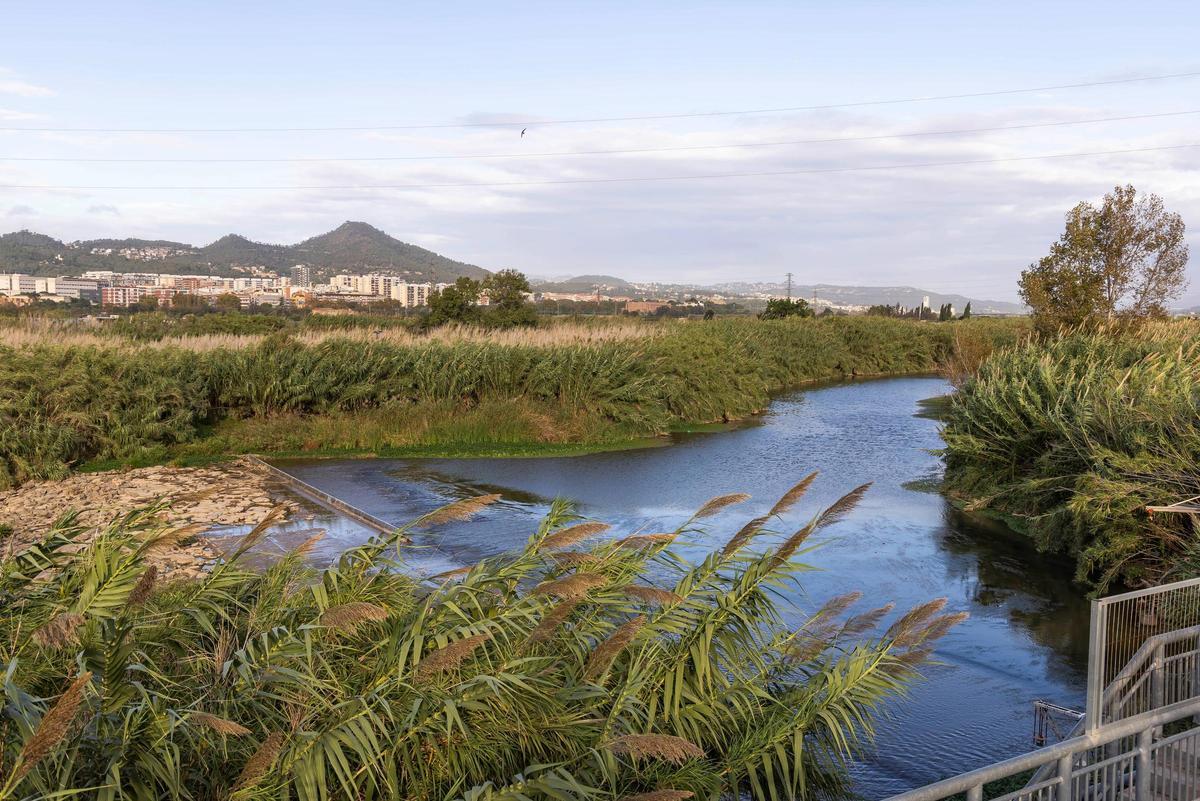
{"x":32,"y":333}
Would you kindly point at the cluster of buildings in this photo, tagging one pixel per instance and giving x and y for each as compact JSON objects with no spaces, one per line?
{"x":108,"y":288}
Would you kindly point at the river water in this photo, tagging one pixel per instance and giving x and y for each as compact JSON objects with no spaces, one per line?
{"x":1027,"y":634}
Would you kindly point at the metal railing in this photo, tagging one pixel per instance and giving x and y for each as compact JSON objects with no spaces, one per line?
{"x":325,"y":499}
{"x":1121,"y":626}
{"x":1116,"y":762}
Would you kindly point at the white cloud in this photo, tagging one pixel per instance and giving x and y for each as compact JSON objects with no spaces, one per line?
{"x":10,"y":84}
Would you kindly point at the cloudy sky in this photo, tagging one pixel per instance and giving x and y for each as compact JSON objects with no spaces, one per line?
{"x":843,"y":211}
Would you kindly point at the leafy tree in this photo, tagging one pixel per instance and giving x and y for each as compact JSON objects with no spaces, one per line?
{"x":506,"y":291}
{"x":945,"y":312}
{"x":188,"y":301}
{"x":228,"y":302}
{"x":778,"y":308}
{"x":454,"y":304}
{"x":1124,"y":258}
{"x":146,"y":303}
{"x":966,"y":315}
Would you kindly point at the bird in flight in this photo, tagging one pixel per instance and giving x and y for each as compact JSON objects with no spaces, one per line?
{"x":523,"y":133}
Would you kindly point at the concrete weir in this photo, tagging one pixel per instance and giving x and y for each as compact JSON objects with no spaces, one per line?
{"x":325,"y":499}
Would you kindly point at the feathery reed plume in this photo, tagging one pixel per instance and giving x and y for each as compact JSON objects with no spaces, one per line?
{"x":860,"y":624}
{"x":574,"y":558}
{"x":660,"y":795}
{"x":607,"y":651}
{"x":914,"y":618}
{"x":934,"y":630}
{"x":790,"y":545}
{"x":639,"y":541}
{"x":449,"y":656}
{"x":306,"y":547}
{"x":449,"y":574}
{"x":836,"y":605}
{"x":260,"y":761}
{"x":144,"y":588}
{"x":172,"y":537}
{"x":59,"y":631}
{"x":666,"y":747}
{"x":652,"y":595}
{"x":259,"y":531}
{"x":222,"y":650}
{"x":566,"y":537}
{"x":793,"y":496}
{"x":552,"y":620}
{"x":811,"y":640}
{"x":744,"y":535}
{"x":217,"y":724}
{"x":349,"y":616}
{"x":54,"y":727}
{"x":714,"y":505}
{"x":575,"y":586}
{"x":457,"y":511}
{"x":842,"y":506}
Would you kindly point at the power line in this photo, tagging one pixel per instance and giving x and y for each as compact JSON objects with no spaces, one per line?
{"x":637,"y":179}
{"x":635,"y":118}
{"x":623,"y":151}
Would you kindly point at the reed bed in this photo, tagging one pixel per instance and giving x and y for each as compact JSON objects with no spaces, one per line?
{"x":350,"y":682}
{"x":64,"y":402}
{"x":1070,"y":438}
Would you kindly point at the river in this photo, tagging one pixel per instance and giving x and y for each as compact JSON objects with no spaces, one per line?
{"x":1027,"y":634}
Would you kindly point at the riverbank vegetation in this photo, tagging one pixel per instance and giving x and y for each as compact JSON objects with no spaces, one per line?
{"x":1070,"y":437}
{"x":67,"y":401}
{"x":557,"y":672}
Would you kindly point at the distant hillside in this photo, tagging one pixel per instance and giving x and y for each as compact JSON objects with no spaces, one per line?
{"x":583,"y":283}
{"x":351,"y":247}
{"x":883,"y":295}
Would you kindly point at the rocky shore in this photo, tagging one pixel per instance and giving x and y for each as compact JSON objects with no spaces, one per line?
{"x":230,"y":494}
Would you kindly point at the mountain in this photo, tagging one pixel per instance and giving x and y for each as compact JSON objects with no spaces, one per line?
{"x":583,"y":283}
{"x":351,"y":247}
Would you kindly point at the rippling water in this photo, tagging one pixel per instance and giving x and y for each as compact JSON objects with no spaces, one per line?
{"x":1027,"y":635}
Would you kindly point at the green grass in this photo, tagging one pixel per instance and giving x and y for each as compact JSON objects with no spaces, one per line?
{"x":551,"y":672}
{"x":107,"y":400}
{"x":1068,"y":439}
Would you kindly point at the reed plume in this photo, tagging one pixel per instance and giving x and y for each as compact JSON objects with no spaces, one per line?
{"x":574,"y":558}
{"x":660,"y":795}
{"x":349,"y":616}
{"x":449,"y":656}
{"x":744,"y":535}
{"x":714,"y":505}
{"x":552,"y":620}
{"x":652,"y":595}
{"x":260,"y":761}
{"x":842,"y":506}
{"x":575,"y":586}
{"x":639,"y":541}
{"x":793,"y":496}
{"x":457,"y":511}
{"x":666,"y":747}
{"x":53,"y":728}
{"x":218,"y":724}
{"x":607,"y":651}
{"x":144,"y":588}
{"x":566,"y":537}
{"x":911,"y":620}
{"x":860,"y":624}
{"x":59,"y":631}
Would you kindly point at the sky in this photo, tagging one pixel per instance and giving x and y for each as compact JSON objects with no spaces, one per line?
{"x":845,"y":212}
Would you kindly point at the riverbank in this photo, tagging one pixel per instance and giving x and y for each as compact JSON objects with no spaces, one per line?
{"x":113,"y":401}
{"x":1068,"y":440}
{"x":236,"y":493}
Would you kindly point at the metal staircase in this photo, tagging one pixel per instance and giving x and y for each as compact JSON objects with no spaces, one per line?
{"x":1139,"y":739}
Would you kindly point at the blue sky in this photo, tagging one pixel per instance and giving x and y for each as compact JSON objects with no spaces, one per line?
{"x":274,"y":65}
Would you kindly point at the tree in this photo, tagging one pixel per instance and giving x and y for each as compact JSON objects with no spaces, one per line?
{"x":778,"y":308}
{"x":1124,"y":258}
{"x":454,"y":304}
{"x":506,"y":291}
{"x":186,"y":300}
{"x":146,"y":303}
{"x":966,"y":315}
{"x":945,"y":312}
{"x":228,"y":301}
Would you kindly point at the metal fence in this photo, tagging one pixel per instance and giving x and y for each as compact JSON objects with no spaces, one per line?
{"x":1119,"y":662}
